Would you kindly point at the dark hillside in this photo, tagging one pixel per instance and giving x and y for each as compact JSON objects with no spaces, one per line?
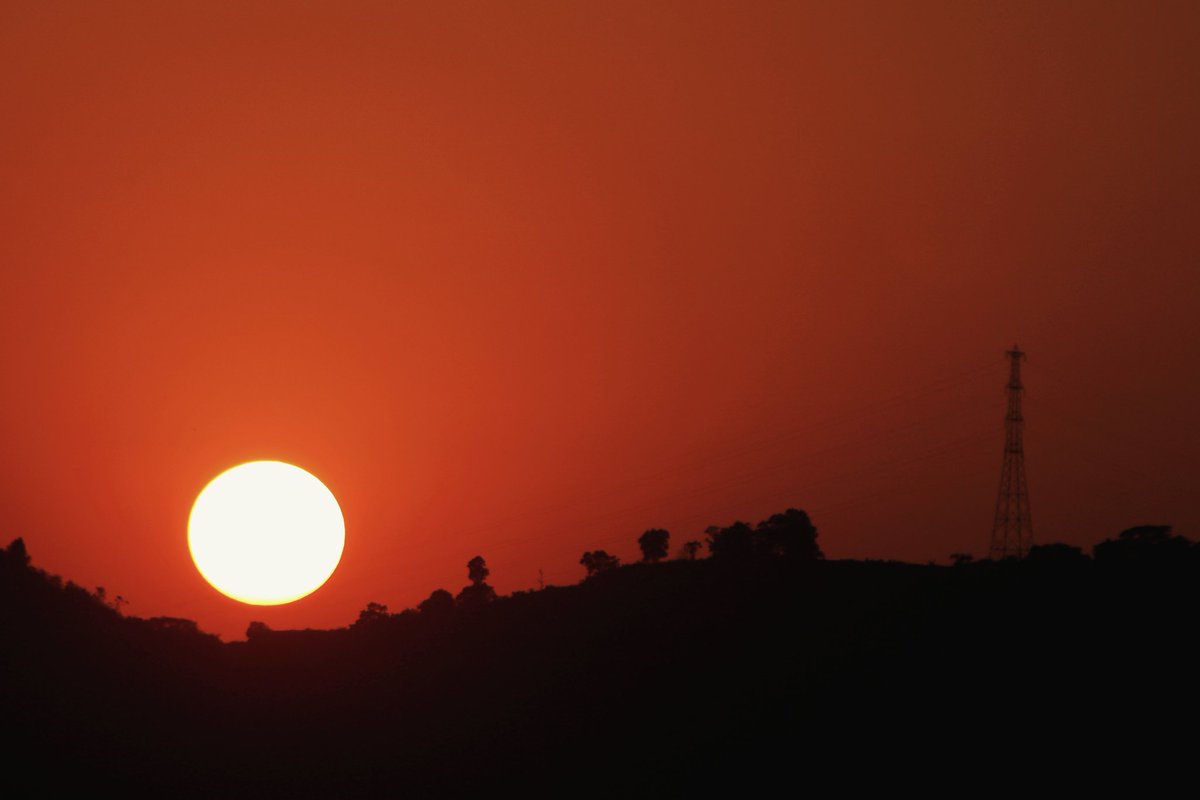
{"x":655,"y":677}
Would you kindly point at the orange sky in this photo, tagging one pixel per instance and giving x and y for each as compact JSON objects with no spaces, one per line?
{"x":526,"y":279}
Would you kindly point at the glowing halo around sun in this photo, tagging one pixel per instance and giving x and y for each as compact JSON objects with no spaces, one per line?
{"x":266,"y":533}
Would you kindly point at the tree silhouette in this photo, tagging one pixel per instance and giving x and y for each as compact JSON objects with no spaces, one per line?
{"x":598,"y":561}
{"x":115,"y":603}
{"x":439,"y":602}
{"x":1145,"y":544}
{"x":16,"y":553}
{"x":372,"y":614}
{"x":1154,"y":534}
{"x":790,"y":534}
{"x":654,"y":544}
{"x":257,"y":630}
{"x":477,"y":570}
{"x":732,"y":543}
{"x":690,"y":550}
{"x":478,"y":593}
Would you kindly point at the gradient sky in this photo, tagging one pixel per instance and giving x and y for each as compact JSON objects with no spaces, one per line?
{"x":525,"y":279}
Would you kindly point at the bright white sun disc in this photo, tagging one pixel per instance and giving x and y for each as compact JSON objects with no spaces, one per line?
{"x":266,"y":533}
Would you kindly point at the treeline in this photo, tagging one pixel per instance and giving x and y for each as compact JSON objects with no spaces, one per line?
{"x":31,"y":598}
{"x":1151,"y":546}
{"x":789,"y":535}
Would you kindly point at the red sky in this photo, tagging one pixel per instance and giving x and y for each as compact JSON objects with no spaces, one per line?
{"x":523,"y":280}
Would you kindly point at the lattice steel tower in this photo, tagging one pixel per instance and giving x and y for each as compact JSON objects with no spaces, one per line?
{"x":1012,"y":530}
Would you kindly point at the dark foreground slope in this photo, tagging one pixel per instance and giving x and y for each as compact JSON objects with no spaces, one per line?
{"x":650,"y":680}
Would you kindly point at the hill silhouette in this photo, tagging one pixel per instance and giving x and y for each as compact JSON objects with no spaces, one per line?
{"x":755,"y":667}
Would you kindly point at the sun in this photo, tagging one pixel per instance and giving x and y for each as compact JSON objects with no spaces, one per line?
{"x":266,"y":533}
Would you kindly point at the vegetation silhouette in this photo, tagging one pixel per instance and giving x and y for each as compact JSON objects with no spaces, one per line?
{"x":1145,"y":545}
{"x":478,"y":592}
{"x":597,"y":562}
{"x":654,"y":544}
{"x":440,"y":603}
{"x":789,"y":535}
{"x":662,"y":677}
{"x":732,"y":543}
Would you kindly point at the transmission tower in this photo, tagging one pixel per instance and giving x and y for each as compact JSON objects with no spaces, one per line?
{"x":1012,"y":531}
